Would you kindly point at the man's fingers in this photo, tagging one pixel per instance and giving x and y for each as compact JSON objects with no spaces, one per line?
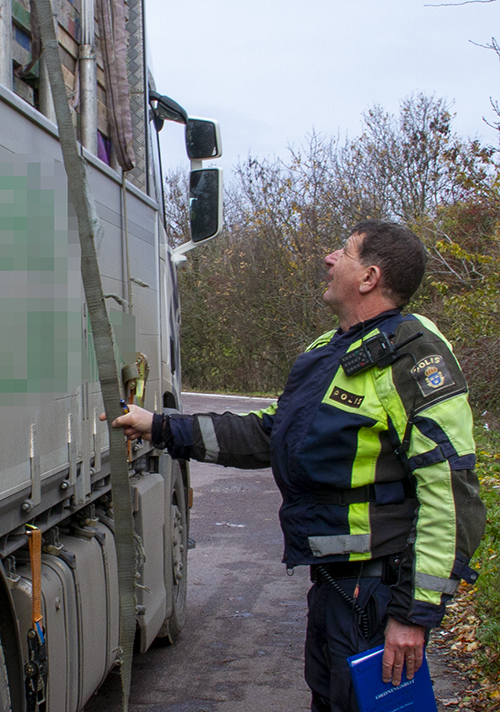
{"x":414,"y":660}
{"x":392,"y":670}
{"x":132,"y":434}
{"x":121,"y":421}
{"x":397,"y":673}
{"x":392,"y":666}
{"x":403,"y":643}
{"x":419,"y":658}
{"x":137,"y":422}
{"x":387,"y":666}
{"x":410,"y":667}
{"x":118,"y":422}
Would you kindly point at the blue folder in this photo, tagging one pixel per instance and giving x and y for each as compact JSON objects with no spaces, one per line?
{"x":375,"y":695}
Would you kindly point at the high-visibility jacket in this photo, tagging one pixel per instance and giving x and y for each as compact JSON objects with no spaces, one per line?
{"x":376,"y":463}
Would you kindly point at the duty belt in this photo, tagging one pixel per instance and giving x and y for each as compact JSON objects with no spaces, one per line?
{"x":379,"y":493}
{"x":373,"y":568}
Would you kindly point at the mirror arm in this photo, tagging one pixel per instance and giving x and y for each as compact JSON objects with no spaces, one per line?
{"x":179,"y":253}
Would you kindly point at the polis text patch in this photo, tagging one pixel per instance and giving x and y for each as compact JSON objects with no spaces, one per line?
{"x":346,"y":398}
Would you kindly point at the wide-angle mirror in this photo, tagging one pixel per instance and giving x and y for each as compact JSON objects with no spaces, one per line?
{"x":205,"y":203}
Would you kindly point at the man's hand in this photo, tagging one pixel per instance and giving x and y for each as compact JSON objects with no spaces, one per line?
{"x":136,"y":424}
{"x":403,"y":643}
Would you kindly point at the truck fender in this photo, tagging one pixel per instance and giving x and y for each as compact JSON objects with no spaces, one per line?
{"x":10,"y":644}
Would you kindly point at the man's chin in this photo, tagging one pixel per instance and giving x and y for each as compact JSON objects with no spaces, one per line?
{"x":328,"y":299}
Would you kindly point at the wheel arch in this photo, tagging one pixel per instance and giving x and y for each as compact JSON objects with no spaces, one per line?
{"x":11,"y":644}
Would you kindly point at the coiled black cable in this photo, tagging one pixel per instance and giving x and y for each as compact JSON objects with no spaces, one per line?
{"x":362,"y":614}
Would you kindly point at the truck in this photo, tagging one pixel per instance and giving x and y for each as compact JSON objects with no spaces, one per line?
{"x":57,"y":527}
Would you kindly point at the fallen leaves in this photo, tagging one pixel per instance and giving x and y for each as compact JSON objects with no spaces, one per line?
{"x":460,"y":651}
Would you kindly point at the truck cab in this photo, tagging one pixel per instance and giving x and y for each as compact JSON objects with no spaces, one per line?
{"x":54,"y":451}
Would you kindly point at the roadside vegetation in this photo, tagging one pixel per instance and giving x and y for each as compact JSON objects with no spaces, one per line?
{"x":252,"y":299}
{"x":469,"y":640}
{"x":485,"y":596}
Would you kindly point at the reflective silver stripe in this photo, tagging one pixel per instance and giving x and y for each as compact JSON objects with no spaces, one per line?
{"x":436,"y":583}
{"x":340,"y":544}
{"x":209,"y":438}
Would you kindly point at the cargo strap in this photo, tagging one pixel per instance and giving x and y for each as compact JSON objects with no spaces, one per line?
{"x":91,"y":233}
{"x":35,"y":546}
{"x":36,"y":667}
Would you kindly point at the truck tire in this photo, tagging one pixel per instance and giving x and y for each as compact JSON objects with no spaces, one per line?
{"x":4,"y":685}
{"x":177,"y":557}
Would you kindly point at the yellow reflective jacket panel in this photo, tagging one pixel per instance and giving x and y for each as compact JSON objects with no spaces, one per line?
{"x":368,"y":465}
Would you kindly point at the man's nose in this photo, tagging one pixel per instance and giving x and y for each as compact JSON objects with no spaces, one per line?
{"x":332,"y":258}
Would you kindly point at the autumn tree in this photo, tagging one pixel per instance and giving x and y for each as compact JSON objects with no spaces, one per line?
{"x":252,"y":299}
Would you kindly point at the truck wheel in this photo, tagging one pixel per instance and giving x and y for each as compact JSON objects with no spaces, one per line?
{"x":178,"y":557}
{"x":4,"y":685}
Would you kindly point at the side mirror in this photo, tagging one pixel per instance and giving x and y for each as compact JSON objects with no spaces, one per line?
{"x":205,"y":203}
{"x":166,"y":109}
{"x":203,"y":139}
{"x":205,"y":207}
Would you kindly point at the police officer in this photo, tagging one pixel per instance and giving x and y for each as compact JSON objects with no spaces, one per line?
{"x":371,"y":446}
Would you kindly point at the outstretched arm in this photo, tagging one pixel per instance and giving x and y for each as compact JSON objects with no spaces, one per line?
{"x":226,"y":439}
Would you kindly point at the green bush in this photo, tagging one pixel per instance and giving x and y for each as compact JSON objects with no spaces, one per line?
{"x":487,"y":558}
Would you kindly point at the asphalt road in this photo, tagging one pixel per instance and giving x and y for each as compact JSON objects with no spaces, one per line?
{"x":242,"y":646}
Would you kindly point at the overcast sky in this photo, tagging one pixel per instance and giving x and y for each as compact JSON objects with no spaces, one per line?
{"x":271,"y":71}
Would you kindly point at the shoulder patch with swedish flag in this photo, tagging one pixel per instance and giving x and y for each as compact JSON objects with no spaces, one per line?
{"x":432,"y":374}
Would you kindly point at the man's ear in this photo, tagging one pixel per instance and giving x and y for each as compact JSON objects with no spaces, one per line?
{"x":371,"y":279}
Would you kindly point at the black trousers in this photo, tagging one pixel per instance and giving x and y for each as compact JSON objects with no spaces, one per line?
{"x":334,"y":633}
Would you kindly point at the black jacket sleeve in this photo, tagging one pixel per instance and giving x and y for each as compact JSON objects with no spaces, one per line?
{"x":225,"y":439}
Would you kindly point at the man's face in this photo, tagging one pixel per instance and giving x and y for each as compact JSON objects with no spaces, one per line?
{"x":345,"y":271}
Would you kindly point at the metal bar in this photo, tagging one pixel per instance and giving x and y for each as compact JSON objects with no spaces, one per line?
{"x":6,"y":75}
{"x":88,"y":97}
{"x":88,"y":79}
{"x":84,"y":480}
{"x":46,"y":101}
{"x":36,"y":481}
{"x":72,"y":443}
{"x":97,"y":443}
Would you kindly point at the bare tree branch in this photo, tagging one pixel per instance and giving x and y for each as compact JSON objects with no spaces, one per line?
{"x":494,"y":44}
{"x":456,"y":4}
